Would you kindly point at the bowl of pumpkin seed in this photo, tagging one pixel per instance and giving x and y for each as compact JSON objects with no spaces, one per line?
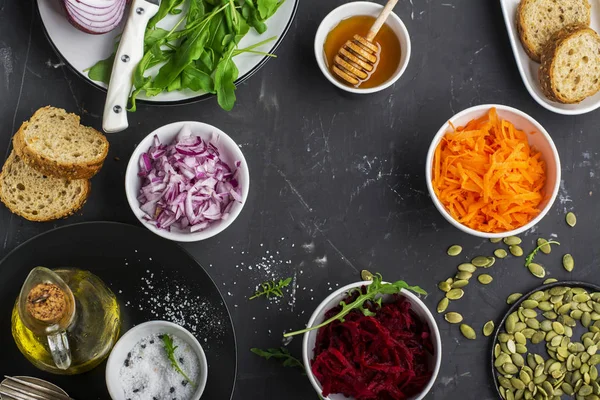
{"x":535,"y":352}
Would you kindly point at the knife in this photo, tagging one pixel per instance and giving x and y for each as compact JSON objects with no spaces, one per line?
{"x":129,"y":54}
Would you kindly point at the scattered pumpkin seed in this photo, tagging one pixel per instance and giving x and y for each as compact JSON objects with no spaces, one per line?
{"x":537,"y":270}
{"x":495,"y":240}
{"x":444,"y":286}
{"x":463,"y":275}
{"x":568,"y":262}
{"x":460,"y":283}
{"x":512,"y":240}
{"x":480,"y":261}
{"x":455,"y":294}
{"x":485,"y":279}
{"x":550,"y":280}
{"x":488,"y":328}
{"x":467,"y":267}
{"x":571,"y":219}
{"x":453,"y":317}
{"x":468,"y":332}
{"x":454,"y":250}
{"x":516,"y":251}
{"x":443,"y":305}
{"x":544,"y":246}
{"x":513,"y":297}
{"x":500,"y":253}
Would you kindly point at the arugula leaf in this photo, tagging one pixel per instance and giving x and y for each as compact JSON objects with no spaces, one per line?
{"x":197,"y":80}
{"x":170,"y":349}
{"x":272,"y":289}
{"x":280,"y":354}
{"x":252,"y":16}
{"x":101,"y":70}
{"x":531,"y":256}
{"x":195,"y":11}
{"x":268,"y":7}
{"x":163,"y":10}
{"x":373,"y":294}
{"x":225,"y":76}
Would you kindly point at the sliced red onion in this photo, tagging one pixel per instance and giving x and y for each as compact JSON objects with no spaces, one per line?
{"x":94,"y":16}
{"x":186,"y":185}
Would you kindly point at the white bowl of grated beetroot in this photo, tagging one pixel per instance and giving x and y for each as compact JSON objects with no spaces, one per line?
{"x":187,"y":181}
{"x":318,"y":357}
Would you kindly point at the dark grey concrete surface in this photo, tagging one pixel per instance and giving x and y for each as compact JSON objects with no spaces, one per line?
{"x":338,"y":182}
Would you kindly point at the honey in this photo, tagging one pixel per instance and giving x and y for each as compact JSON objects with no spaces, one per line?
{"x":387,"y":41}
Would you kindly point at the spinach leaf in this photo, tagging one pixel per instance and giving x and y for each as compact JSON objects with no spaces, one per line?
{"x":197,"y":80}
{"x":101,"y":70}
{"x":225,"y":76}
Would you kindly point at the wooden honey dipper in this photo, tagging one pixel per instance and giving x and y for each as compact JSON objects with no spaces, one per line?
{"x":358,"y":57}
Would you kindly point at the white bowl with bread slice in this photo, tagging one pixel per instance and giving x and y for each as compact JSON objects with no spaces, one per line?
{"x":47,"y":175}
{"x":557,"y":51}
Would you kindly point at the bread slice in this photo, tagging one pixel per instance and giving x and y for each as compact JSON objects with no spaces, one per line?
{"x":37,"y":197}
{"x":538,"y":20}
{"x":54,"y":143}
{"x":570,"y":69}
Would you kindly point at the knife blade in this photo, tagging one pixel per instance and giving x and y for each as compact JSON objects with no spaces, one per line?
{"x":127,"y":57}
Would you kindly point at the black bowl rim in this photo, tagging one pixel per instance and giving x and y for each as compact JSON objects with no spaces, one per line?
{"x":515,"y":306}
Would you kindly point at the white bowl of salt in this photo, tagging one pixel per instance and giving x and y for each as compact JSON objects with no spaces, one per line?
{"x":156,"y":360}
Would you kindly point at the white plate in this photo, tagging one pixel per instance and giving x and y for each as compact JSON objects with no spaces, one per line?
{"x":81,"y":50}
{"x":529,"y":68}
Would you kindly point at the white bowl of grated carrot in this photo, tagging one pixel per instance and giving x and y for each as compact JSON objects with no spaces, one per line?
{"x":493,"y":171}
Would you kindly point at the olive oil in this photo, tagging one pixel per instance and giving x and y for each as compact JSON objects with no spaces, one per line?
{"x":91,"y":334}
{"x":386,"y":40}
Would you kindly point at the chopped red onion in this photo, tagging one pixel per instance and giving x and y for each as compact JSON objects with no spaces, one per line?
{"x":95,"y":16}
{"x":186,"y":185}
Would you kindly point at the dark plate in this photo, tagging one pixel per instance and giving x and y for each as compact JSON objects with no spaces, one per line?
{"x":515,"y":306}
{"x":132,"y":261}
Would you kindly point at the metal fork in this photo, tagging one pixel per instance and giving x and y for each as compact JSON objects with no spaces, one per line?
{"x":26,"y":388}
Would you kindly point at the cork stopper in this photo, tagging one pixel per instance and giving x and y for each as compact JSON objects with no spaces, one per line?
{"x":46,"y":302}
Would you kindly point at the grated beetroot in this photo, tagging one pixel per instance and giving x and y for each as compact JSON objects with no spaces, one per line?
{"x":374,"y":358}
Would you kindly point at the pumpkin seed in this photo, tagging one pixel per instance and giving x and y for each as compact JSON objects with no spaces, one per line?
{"x":513,"y":297}
{"x":443,"y":305}
{"x":538,"y":337}
{"x":500,"y":253}
{"x":529,"y":313}
{"x":488,"y":328}
{"x":510,"y":368}
{"x":529,"y":303}
{"x":453,"y":317}
{"x":585,"y":390}
{"x":485,"y":279}
{"x":512,"y":346}
{"x":454,"y":250}
{"x":544,"y":246}
{"x":455,"y":294}
{"x":512,"y":240}
{"x":467,"y":267}
{"x":444,"y":286}
{"x":568,"y":262}
{"x":517,"y":359}
{"x":480,"y":261}
{"x":520,"y":338}
{"x":517,"y":383}
{"x":497,"y":350}
{"x":366,"y":275}
{"x":491,"y":261}
{"x":495,"y":240}
{"x":558,"y":328}
{"x":550,"y":280}
{"x":460,"y":283}
{"x":516,"y":251}
{"x":463,"y":275}
{"x":571,"y":219}
{"x":469,"y":333}
{"x":537,"y":270}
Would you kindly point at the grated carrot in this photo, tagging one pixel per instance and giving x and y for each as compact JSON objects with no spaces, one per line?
{"x":488,"y":176}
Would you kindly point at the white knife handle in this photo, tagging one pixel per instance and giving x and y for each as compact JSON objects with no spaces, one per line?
{"x":129,"y":54}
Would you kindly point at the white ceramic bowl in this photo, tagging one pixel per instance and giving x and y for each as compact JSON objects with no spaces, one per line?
{"x":537,"y":136}
{"x":125,"y":344}
{"x":230,"y":153}
{"x":333,"y":300}
{"x":350,"y":10}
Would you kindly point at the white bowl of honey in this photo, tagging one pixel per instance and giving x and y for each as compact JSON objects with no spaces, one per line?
{"x":393,"y":41}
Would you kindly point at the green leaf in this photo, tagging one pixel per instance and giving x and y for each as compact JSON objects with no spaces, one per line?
{"x":280,"y":354}
{"x":153,"y":36}
{"x":218,"y":30}
{"x":268,"y":7}
{"x":252,"y":17}
{"x":196,"y":11}
{"x":531,"y":256}
{"x":163,"y":10}
{"x":175,"y":11}
{"x":225,"y":76}
{"x":272,"y":289}
{"x":170,"y":349}
{"x":197,"y":80}
{"x":101,"y":70}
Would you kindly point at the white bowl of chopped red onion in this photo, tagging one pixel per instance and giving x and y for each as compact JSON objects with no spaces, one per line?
{"x":187,"y":181}
{"x":422,"y":324}
{"x":156,"y":359}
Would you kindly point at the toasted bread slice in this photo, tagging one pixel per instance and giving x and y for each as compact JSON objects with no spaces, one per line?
{"x":538,"y":20}
{"x":54,"y":143}
{"x":570,"y":69}
{"x":37,"y":197}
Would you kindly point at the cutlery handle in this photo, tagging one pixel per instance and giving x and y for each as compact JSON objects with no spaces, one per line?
{"x":129,"y":54}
